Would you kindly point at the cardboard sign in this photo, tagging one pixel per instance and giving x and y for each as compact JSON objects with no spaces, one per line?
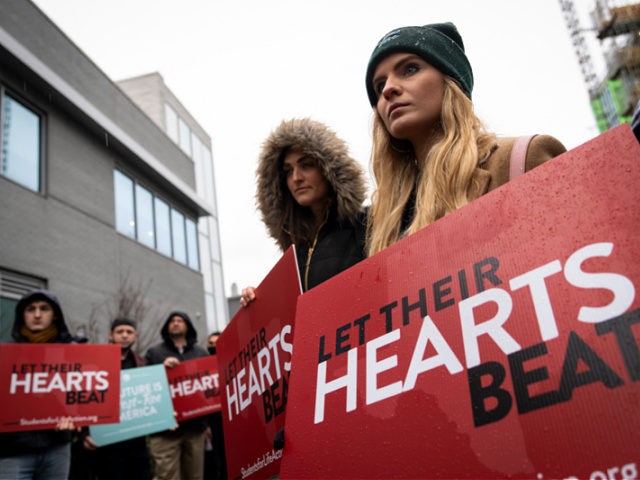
{"x":254,"y":352}
{"x":195,"y":387}
{"x":39,"y":383}
{"x":499,"y":342}
{"x":145,"y":406}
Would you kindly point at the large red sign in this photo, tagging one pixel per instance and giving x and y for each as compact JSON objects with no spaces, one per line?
{"x":39,"y":383}
{"x":254,"y":352}
{"x":499,"y":342}
{"x":195,"y":387}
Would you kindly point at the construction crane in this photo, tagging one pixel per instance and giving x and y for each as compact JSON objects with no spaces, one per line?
{"x":579,"y":44}
{"x":617,"y":27}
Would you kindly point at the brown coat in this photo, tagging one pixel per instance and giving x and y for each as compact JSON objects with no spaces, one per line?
{"x":494,"y":171}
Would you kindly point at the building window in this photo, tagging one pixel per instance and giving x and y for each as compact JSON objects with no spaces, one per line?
{"x":178,"y":236}
{"x":144,"y":216}
{"x":13,"y":286}
{"x":125,"y":212}
{"x":192,"y":244}
{"x":185,"y":136}
{"x":20,"y":133}
{"x":171,"y":122}
{"x":153,"y":222}
{"x":163,"y":227}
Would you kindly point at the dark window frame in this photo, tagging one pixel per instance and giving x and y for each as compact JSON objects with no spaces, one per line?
{"x":172,"y":208}
{"x":42,"y":117}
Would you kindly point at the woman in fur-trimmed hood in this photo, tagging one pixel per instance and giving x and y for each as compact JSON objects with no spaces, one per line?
{"x":310,"y":194}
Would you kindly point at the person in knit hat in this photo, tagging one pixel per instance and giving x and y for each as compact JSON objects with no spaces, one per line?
{"x":431,"y":154}
{"x":38,"y":453}
{"x":310,"y":193}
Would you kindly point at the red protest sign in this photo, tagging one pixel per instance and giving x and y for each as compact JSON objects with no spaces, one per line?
{"x":39,"y":383}
{"x":254,"y":352}
{"x":195,"y":387}
{"x":499,"y":342}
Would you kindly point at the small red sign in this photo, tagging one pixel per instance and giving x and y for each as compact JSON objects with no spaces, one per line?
{"x":40,"y":383}
{"x":254,"y":351}
{"x":500,"y":342}
{"x":195,"y":387}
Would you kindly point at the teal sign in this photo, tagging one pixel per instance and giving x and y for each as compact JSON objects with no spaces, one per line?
{"x":145,"y":406}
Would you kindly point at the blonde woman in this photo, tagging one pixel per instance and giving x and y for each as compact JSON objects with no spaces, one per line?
{"x":431,"y":154}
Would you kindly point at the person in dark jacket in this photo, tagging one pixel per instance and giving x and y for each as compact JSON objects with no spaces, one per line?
{"x":310,"y":193}
{"x":179,"y":453}
{"x":129,"y":459}
{"x":38,"y":454}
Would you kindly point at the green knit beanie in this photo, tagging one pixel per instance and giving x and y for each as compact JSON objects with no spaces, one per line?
{"x":439,"y":44}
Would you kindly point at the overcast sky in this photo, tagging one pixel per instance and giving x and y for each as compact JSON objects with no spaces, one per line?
{"x":242,"y":66}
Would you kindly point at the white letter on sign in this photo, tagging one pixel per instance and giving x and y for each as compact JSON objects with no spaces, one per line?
{"x":445,"y":356}
{"x":540,"y":296}
{"x":349,"y":381}
{"x":375,"y":394}
{"x":492,"y":327}
{"x":622,"y":288}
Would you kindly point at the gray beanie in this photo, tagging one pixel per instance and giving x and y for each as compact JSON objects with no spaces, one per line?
{"x":439,"y":44}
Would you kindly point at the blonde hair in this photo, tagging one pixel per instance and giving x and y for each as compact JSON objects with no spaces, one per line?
{"x":442,"y":179}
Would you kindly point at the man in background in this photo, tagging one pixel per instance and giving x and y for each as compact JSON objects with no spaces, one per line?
{"x":129,"y":459}
{"x":178,"y":453}
{"x":36,"y":454}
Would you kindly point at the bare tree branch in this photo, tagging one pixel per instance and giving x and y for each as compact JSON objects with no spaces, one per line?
{"x":130,"y":300}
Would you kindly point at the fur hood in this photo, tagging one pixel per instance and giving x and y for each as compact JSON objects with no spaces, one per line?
{"x":344,"y":174}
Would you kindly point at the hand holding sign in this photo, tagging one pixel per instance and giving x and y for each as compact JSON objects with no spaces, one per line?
{"x":171,"y":362}
{"x":195,"y":387}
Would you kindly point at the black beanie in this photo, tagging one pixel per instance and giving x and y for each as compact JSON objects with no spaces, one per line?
{"x":123,"y":321}
{"x":439,"y":44}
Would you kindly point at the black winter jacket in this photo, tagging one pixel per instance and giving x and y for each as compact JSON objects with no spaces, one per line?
{"x":17,"y":443}
{"x":338,"y":247}
{"x":158,"y":353}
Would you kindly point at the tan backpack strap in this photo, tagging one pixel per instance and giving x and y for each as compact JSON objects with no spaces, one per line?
{"x":518,"y":156}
